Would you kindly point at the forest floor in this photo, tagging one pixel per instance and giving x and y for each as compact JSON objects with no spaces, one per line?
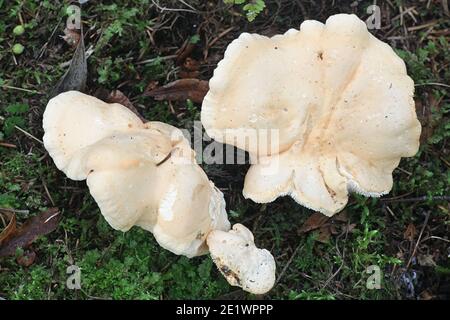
{"x":137,"y":45}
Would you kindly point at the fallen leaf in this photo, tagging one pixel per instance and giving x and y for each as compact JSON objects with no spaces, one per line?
{"x":188,"y":74}
{"x":9,"y":231}
{"x":314,"y":221}
{"x":341,"y":217}
{"x":334,"y":229}
{"x":117,"y":96}
{"x":184,"y":52}
{"x":191,"y":64}
{"x":410,"y":232}
{"x":152,"y":86}
{"x":34,"y":227}
{"x":350,"y":227}
{"x":76,"y":76}
{"x":27,"y":259}
{"x":324,"y":234}
{"x":181,"y":90}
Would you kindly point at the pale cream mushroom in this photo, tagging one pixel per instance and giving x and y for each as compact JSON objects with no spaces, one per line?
{"x":140,"y":174}
{"x":339,"y":99}
{"x":240,"y":261}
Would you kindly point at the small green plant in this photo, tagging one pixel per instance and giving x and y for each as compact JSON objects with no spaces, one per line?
{"x":15,"y":118}
{"x":252,"y":8}
{"x":18,"y":30}
{"x":17,"y":49}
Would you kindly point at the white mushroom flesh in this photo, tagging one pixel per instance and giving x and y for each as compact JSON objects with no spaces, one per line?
{"x":240,"y":261}
{"x":139,"y":173}
{"x":339,"y":98}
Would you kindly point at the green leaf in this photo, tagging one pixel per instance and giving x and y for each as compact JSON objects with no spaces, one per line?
{"x":17,"y":108}
{"x":8,"y":126}
{"x":194,"y":39}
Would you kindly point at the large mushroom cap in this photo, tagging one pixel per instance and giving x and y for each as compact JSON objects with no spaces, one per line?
{"x":240,"y":261}
{"x":139,"y":174}
{"x":340,"y":100}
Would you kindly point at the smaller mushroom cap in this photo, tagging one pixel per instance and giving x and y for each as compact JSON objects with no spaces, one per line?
{"x":240,"y":261}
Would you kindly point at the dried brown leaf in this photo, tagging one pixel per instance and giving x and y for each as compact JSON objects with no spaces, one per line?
{"x":324,"y":234}
{"x":181,"y":90}
{"x":341,"y":217}
{"x":188,"y":74}
{"x":9,"y":231}
{"x":152,"y":86}
{"x":184,"y":52}
{"x":314,"y":221}
{"x":410,"y":232}
{"x":34,"y":227}
{"x":27,"y":259}
{"x":191,"y":64}
{"x":117,"y":96}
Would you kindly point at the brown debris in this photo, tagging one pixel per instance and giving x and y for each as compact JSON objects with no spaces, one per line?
{"x":13,"y":237}
{"x":117,"y":96}
{"x":181,"y":90}
{"x":314,"y":221}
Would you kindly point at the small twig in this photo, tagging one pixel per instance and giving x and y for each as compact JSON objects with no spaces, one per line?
{"x":173,"y":56}
{"x":418,"y":240}
{"x":342,"y":256}
{"x":332,"y":276}
{"x":391,"y":212}
{"x":436,"y":238}
{"x":44,"y":47}
{"x":417,"y":199}
{"x":7,"y":145}
{"x":404,"y":171}
{"x":188,"y":5}
{"x":48,"y":193}
{"x":162,"y":9}
{"x":3,"y":221}
{"x":15,"y":210}
{"x":423,"y":26}
{"x":288,"y":264}
{"x":432,"y":84}
{"x":220,"y":36}
{"x":24,"y":132}
{"x":21,"y":89}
